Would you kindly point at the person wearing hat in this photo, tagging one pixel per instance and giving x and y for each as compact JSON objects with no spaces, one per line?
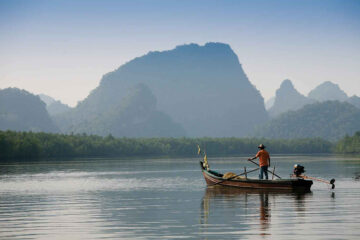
{"x":264,"y":161}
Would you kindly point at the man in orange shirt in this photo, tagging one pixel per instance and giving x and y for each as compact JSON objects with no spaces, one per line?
{"x":264,"y":161}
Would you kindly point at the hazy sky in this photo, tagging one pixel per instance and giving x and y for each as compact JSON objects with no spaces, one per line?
{"x":62,"y":48}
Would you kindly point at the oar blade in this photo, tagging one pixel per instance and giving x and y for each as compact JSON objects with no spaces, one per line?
{"x":332,"y":181}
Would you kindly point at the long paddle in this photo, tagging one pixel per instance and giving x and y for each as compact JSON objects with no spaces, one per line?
{"x":267,"y":170}
{"x":331,"y":182}
{"x":235,"y":176}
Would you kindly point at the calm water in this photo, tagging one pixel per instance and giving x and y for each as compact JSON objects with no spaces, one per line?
{"x":166,"y":199}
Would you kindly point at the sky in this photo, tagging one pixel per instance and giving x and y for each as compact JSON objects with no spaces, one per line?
{"x":62,"y":48}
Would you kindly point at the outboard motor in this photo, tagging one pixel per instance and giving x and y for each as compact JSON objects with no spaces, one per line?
{"x":298,"y":170}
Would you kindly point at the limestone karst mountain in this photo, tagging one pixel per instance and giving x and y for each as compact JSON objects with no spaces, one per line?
{"x":23,"y":111}
{"x":133,"y":115}
{"x":202,"y":88}
{"x":288,"y":98}
{"x":327,"y":91}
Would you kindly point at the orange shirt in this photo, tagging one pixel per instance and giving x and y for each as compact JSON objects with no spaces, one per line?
{"x":263,"y":156}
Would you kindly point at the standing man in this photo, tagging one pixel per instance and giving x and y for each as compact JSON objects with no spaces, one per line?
{"x":264,"y":161}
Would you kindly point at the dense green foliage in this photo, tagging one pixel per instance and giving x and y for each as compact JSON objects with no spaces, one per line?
{"x":349,"y":144}
{"x":25,"y":145}
{"x":329,"y":120}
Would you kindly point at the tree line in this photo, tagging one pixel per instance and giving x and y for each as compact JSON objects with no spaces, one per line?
{"x":349,"y":144}
{"x":27,"y":145}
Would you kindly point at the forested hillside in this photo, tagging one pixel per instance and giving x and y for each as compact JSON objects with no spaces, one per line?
{"x":330,"y":120}
{"x":349,"y":144}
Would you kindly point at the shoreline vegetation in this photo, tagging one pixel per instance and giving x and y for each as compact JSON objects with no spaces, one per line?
{"x":349,"y":144}
{"x":32,"y":145}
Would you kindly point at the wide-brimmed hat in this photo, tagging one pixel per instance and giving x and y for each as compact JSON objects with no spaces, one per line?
{"x":261,"y":146}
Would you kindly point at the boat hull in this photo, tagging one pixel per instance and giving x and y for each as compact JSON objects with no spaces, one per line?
{"x":213,"y":178}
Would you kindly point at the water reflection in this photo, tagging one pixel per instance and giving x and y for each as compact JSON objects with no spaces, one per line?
{"x":357,"y":176}
{"x":264,"y":211}
{"x":249,"y":210}
{"x":157,"y":199}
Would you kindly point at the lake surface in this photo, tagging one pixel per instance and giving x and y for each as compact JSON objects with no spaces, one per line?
{"x":168,"y":199}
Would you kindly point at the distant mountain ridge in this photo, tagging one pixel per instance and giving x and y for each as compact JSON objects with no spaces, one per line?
{"x":46,"y":99}
{"x":269,"y":103}
{"x":354,"y":100}
{"x":133,"y":115}
{"x":53,"y":106}
{"x":328,"y":91}
{"x":191,"y":90}
{"x":327,"y":112}
{"x":202,"y":88}
{"x":288,"y":98}
{"x":23,"y":111}
{"x":330,"y":120}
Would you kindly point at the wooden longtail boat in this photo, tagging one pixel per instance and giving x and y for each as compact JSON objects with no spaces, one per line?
{"x":214,"y":178}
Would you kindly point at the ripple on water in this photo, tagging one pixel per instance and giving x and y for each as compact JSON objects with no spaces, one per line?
{"x":169,"y":201}
{"x":82,"y":182}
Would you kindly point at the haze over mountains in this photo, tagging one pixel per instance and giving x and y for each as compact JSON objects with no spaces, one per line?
{"x":327,"y":112}
{"x":190,"y":91}
{"x":354,"y":100}
{"x":53,"y":106}
{"x":327,"y":91}
{"x":288,"y":98}
{"x":23,"y":111}
{"x":202,"y":88}
{"x":330,"y":120}
{"x":133,"y":114}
